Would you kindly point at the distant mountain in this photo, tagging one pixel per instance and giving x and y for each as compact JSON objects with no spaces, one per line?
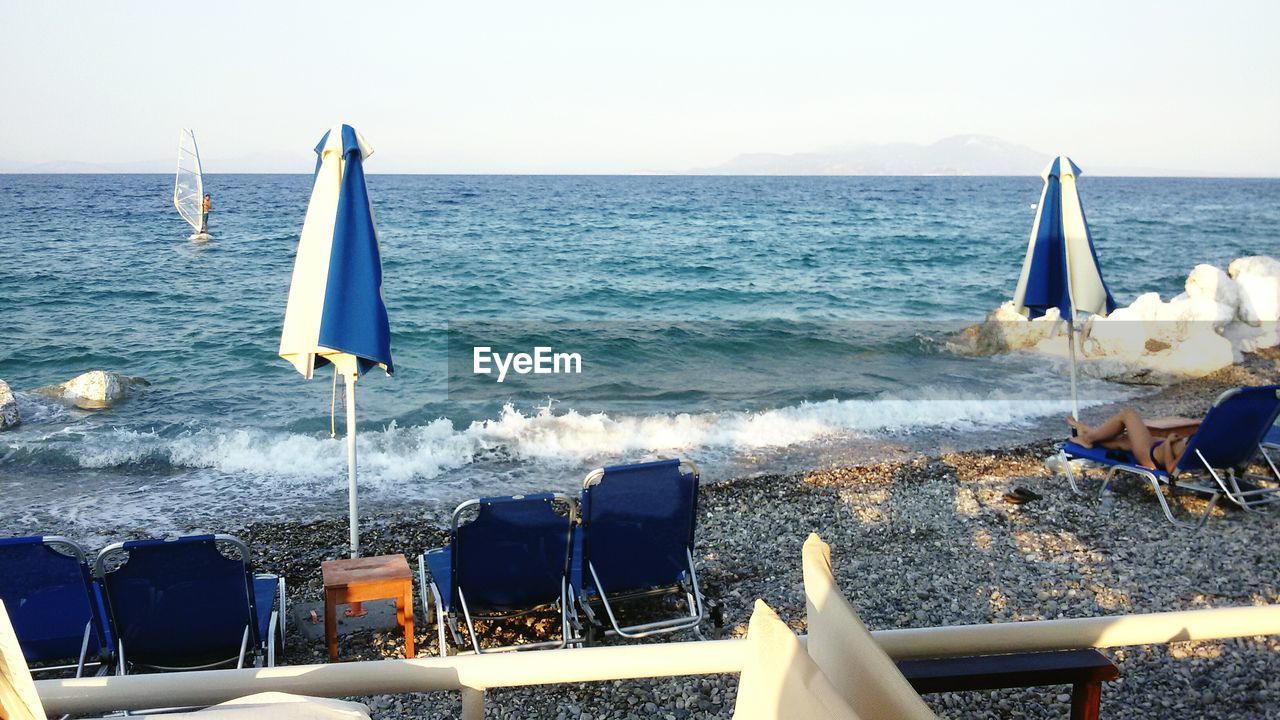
{"x":958,"y":155}
{"x":297,"y":162}
{"x":74,"y":166}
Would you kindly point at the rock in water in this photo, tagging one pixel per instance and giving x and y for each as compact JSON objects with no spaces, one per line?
{"x":1258,"y":278}
{"x":1220,"y":316}
{"x":1003,"y":330}
{"x":93,"y":390}
{"x":8,"y":408}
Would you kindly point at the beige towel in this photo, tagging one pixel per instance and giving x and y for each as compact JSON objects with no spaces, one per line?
{"x":779,"y":680}
{"x":18,"y":698}
{"x":841,"y":645}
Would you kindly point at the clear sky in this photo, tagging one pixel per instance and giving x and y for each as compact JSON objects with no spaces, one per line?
{"x":604,"y":86}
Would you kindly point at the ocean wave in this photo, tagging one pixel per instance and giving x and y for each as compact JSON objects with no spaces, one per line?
{"x":393,"y":455}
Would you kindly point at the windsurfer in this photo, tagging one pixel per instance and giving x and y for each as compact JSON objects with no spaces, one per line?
{"x":205,"y":206}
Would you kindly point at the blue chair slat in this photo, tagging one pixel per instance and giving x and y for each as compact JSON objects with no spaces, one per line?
{"x":513,"y":556}
{"x":638,"y":523}
{"x":100,"y":605}
{"x":1273,"y":436}
{"x":265,"y":590}
{"x":1229,"y":435}
{"x":179,"y":603}
{"x":49,"y":598}
{"x":440,"y":563}
{"x":576,"y":580}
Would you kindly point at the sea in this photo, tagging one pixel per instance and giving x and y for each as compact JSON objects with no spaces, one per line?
{"x":752,"y":324}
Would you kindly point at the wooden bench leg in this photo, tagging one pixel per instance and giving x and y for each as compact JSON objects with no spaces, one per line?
{"x":1086,"y":700}
{"x":331,"y":626}
{"x":406,"y":618}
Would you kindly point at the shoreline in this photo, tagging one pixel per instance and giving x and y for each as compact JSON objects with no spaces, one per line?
{"x":924,"y":540}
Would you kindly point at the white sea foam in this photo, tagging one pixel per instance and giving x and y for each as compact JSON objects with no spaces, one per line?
{"x":394,"y":455}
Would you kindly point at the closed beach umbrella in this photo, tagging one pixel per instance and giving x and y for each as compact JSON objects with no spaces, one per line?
{"x":335,"y":313}
{"x":1061,"y":268}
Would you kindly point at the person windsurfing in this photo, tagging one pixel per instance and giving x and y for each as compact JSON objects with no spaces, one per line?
{"x":205,"y":206}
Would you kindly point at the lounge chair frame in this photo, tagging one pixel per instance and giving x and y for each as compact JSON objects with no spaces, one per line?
{"x":692,"y":592}
{"x":1234,"y":483}
{"x":448,"y":620}
{"x":1271,"y":444}
{"x":275,"y":626}
{"x":1158,"y":481}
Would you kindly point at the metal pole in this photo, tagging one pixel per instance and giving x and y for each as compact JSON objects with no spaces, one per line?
{"x":1071,"y":338}
{"x":351,"y":465}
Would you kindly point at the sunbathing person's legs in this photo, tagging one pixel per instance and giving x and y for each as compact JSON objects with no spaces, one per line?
{"x":1123,"y":431}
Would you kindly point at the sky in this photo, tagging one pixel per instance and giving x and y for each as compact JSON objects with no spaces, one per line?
{"x":603,"y":87}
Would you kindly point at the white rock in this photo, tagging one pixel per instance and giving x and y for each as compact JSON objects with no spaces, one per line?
{"x":9,"y":417}
{"x":1258,"y":278}
{"x":95,"y":389}
{"x":1250,"y":338}
{"x":1113,"y":337}
{"x":1263,"y":265}
{"x":1003,"y":330}
{"x":1201,"y":352}
{"x":1146,"y":307}
{"x":1203,"y":329}
{"x":1207,"y":281}
{"x":1197,"y":310}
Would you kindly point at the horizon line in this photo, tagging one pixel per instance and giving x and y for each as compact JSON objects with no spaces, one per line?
{"x":664,"y":174}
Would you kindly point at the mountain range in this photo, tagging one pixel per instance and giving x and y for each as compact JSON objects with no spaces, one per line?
{"x":956,"y":155}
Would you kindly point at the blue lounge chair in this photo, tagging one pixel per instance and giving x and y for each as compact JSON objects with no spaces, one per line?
{"x":55,"y":606}
{"x":1215,"y":460}
{"x":189,"y":603}
{"x":507,"y":557}
{"x":635,"y":540}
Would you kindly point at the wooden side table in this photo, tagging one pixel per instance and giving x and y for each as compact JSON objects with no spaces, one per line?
{"x":356,"y":580}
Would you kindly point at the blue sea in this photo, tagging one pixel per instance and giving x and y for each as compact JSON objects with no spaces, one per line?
{"x":754,"y":325}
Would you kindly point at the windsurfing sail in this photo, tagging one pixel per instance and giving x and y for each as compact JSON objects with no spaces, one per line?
{"x":188,"y":186}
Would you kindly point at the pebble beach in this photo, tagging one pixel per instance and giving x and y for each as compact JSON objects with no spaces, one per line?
{"x":927,"y":540}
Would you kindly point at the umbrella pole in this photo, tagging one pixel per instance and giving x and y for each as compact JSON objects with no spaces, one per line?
{"x":354,"y":609}
{"x":351,"y":465}
{"x":1071,"y":338}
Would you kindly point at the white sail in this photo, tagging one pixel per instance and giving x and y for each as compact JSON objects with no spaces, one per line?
{"x":188,"y":186}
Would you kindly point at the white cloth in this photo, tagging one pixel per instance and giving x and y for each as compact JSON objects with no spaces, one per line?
{"x":18,"y":698}
{"x":842,"y":646}
{"x":779,"y":680}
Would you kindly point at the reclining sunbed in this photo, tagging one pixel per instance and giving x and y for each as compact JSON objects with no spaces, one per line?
{"x":55,"y":606}
{"x":511,"y":559}
{"x":635,"y":541}
{"x":1214,"y":463}
{"x":189,"y":604}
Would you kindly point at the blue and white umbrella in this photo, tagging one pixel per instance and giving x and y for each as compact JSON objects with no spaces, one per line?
{"x":335,"y":313}
{"x":1061,"y":268}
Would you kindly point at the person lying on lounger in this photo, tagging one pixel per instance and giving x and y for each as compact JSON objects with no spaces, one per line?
{"x":1126,"y":431}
